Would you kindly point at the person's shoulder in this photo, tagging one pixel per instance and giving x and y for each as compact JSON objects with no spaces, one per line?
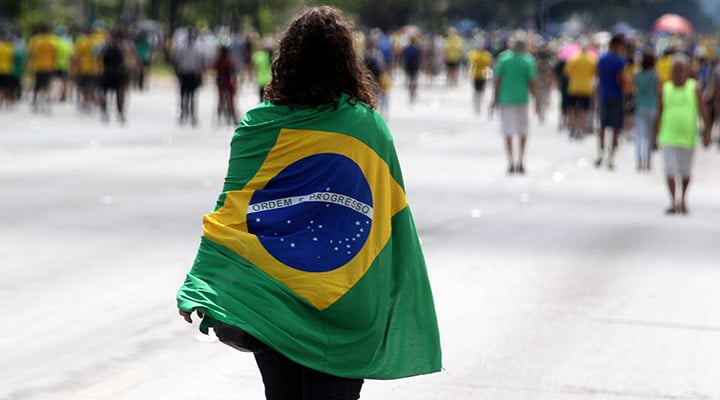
{"x":616,"y":59}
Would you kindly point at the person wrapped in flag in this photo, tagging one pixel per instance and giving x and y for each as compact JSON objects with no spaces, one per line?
{"x":311,"y":248}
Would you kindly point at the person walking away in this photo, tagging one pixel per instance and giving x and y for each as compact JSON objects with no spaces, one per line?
{"x":19,"y":57}
{"x":64,"y":46}
{"x":261,"y":61}
{"x":631,"y":68}
{"x":7,"y":50}
{"x":646,"y":93}
{"x":375,"y":63}
{"x":189,"y":66}
{"x":411,"y":66}
{"x":43,"y":60}
{"x":311,"y":259}
{"x":453,"y":56}
{"x":711,"y":95}
{"x":143,"y":54}
{"x":663,"y":66}
{"x":115,"y":75}
{"x":580,"y":71}
{"x":562,"y":84}
{"x":610,"y":82}
{"x":679,"y":104}
{"x":225,"y":80}
{"x":515,"y":76}
{"x":480,"y":62}
{"x":238,"y":55}
{"x":88,"y":67}
{"x":545,"y":79}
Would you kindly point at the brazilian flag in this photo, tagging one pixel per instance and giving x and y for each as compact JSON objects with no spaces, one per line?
{"x":312,"y":247}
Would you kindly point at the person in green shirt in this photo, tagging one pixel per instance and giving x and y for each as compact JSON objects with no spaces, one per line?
{"x":514,"y":82}
{"x":261,"y":61}
{"x":679,"y":103}
{"x":64,"y":52}
{"x":645,"y":102}
{"x":19,"y":57}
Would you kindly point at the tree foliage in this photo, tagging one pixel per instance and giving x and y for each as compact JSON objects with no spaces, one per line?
{"x":267,"y":15}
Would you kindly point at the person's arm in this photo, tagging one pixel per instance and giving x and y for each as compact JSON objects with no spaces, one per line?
{"x":707,"y":124}
{"x":533,"y":90}
{"x":658,"y":116}
{"x":497,"y":76}
{"x":496,"y":92}
{"x":620,"y":77}
{"x":714,"y":95}
{"x":187,"y":315}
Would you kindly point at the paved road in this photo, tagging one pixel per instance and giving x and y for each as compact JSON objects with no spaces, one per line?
{"x":565,"y":283}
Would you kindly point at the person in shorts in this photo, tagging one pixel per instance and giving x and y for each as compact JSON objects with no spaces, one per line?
{"x":411,"y":66}
{"x":479,"y":62}
{"x":515,"y":75}
{"x":679,"y":103}
{"x":43,"y":58}
{"x":454,"y":45}
{"x":581,"y":71}
{"x":610,"y":73}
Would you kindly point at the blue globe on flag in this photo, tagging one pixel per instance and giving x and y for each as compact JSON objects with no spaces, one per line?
{"x":313,"y":225}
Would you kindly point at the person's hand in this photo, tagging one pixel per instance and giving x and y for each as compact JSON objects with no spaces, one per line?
{"x":655,"y":145}
{"x":492,"y":107}
{"x":187,"y":315}
{"x":706,"y":140}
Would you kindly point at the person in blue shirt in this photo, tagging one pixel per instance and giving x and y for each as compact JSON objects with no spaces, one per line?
{"x":610,"y":69}
{"x":411,"y":66}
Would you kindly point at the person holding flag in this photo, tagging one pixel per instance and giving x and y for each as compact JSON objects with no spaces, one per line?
{"x":311,"y":258}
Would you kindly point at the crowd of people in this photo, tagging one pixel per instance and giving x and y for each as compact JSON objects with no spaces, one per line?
{"x":89,"y":67}
{"x":615,"y":85}
{"x":85,"y":67}
{"x":661,"y":93}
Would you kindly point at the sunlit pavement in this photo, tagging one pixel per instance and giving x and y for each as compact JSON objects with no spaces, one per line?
{"x":566,"y":283}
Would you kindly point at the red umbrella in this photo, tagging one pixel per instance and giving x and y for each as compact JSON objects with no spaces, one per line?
{"x":673,"y":23}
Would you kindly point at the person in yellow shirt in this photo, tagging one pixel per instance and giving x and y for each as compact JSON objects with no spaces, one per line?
{"x":87,"y":67}
{"x":43,"y":61}
{"x":480,"y":62}
{"x":453,"y":55}
{"x":580,"y":71}
{"x":631,"y":68}
{"x":7,"y":51}
{"x":664,"y":65}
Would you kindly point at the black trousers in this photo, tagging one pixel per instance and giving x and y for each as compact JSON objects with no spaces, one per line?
{"x":287,"y":380}
{"x":188,"y":85}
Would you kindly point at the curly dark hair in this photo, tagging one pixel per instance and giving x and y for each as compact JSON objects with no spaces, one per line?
{"x":317,"y":62}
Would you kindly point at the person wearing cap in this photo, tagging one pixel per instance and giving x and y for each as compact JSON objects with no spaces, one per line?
{"x":515,"y":75}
